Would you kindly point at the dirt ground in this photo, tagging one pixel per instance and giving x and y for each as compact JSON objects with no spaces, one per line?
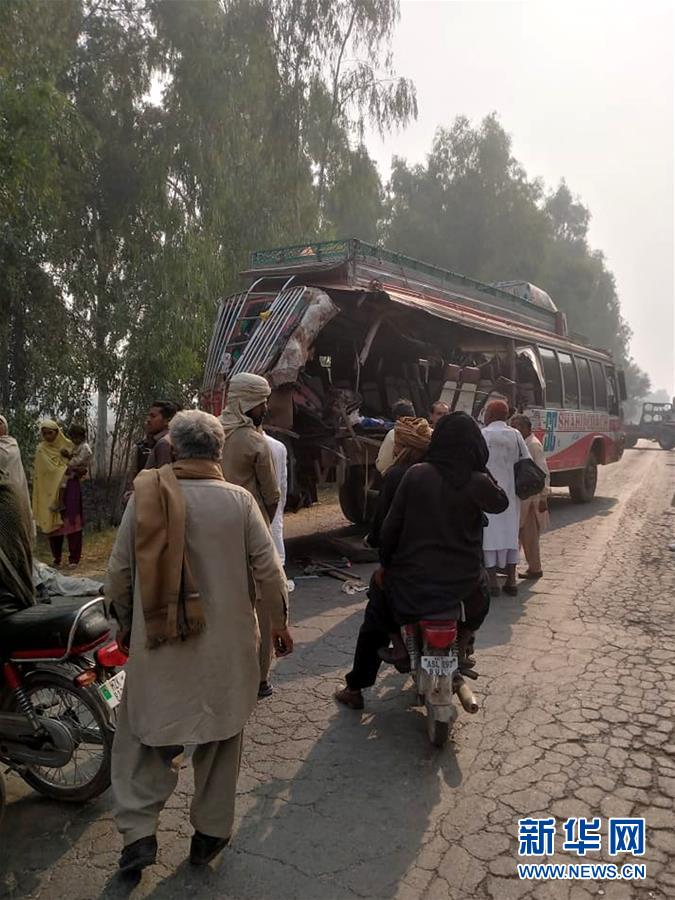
{"x":325,"y":515}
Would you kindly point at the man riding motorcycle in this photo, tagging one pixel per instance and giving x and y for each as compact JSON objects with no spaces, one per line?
{"x":431,"y":540}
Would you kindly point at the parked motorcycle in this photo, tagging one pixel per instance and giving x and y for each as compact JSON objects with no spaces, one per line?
{"x":439,"y":666}
{"x":56,"y":700}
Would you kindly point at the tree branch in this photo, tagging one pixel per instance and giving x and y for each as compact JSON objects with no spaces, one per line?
{"x":334,"y":103}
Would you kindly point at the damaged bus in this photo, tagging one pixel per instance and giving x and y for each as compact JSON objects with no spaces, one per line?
{"x":343,"y":329}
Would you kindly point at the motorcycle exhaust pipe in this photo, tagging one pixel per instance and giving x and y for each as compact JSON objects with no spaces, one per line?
{"x":467,"y":699}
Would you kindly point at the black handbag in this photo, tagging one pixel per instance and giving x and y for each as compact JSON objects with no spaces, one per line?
{"x":529,"y":478}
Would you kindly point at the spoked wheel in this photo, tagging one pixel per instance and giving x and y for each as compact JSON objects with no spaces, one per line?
{"x":87,"y":774}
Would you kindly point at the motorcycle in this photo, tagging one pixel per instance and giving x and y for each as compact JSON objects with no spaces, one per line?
{"x":58,"y":691}
{"x":439,"y":664}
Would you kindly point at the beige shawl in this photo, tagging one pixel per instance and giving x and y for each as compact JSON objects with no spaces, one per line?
{"x":172,"y":607}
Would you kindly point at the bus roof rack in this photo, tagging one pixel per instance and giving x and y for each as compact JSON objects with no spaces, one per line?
{"x":357,"y":265}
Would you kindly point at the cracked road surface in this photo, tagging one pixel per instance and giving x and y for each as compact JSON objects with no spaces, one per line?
{"x":577,"y":716}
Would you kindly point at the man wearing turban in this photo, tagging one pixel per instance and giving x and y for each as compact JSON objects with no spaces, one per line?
{"x":248,"y":462}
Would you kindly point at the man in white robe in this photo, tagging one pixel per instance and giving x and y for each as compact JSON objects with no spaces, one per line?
{"x":500,"y":537}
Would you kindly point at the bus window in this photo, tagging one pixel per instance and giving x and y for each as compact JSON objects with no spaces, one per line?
{"x":549,"y":361}
{"x":585,"y":382}
{"x":600,"y":385}
{"x":529,"y":379}
{"x":569,"y":371}
{"x":612,"y":392}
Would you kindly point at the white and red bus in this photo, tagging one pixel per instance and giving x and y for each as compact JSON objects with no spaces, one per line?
{"x":343,"y":329}
{"x":576,"y":414}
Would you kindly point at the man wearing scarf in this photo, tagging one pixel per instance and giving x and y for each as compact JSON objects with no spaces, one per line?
{"x":248,"y":462}
{"x":16,"y":565}
{"x":193,"y":671}
{"x":12,"y":465}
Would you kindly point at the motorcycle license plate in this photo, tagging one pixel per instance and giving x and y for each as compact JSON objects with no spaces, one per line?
{"x":439,"y":665}
{"x":111,"y":690}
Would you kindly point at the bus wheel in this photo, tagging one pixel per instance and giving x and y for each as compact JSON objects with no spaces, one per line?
{"x":584,"y":482}
{"x":353,"y":500}
{"x":631,"y":441}
{"x":667,"y":441}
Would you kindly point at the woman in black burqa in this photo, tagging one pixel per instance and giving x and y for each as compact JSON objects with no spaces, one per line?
{"x":431,"y":542}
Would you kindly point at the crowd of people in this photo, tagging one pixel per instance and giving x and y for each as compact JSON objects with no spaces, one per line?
{"x":447,"y":522}
{"x":206,"y":497}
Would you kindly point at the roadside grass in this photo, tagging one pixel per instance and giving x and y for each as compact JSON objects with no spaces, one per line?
{"x":322,"y":516}
{"x":95,"y":555}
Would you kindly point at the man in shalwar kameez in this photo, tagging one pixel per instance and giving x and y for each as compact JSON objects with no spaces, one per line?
{"x":193,"y":671}
{"x":248,"y":462}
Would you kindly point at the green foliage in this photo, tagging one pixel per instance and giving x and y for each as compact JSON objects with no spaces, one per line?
{"x":125,"y":216}
{"x":39,"y":135}
{"x":125,"y":219}
{"x":472,"y":208}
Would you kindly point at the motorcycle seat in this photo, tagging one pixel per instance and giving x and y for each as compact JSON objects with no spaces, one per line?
{"x":42,"y":631}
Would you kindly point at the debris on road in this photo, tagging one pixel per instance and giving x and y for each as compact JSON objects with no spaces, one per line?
{"x":336,"y":571}
{"x":353,"y":587}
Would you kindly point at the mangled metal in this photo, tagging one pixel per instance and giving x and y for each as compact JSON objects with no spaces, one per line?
{"x":343,"y":329}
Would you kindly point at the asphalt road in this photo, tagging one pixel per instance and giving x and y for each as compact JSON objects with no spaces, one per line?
{"x":576,"y":719}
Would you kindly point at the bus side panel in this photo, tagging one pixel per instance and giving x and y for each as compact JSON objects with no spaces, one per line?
{"x":568,"y":437}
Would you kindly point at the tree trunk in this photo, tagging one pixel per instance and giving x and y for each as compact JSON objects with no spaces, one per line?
{"x":101,"y":449}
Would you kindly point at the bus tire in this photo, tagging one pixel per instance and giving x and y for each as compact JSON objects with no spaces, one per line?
{"x":631,"y":441}
{"x":584,"y":481}
{"x":667,"y":441}
{"x":353,"y":504}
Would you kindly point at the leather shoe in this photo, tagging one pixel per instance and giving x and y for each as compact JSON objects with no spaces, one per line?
{"x":348,"y":697}
{"x":204,"y":848}
{"x":139,"y":854}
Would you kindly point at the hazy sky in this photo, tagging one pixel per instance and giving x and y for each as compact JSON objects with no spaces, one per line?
{"x":586,"y":92}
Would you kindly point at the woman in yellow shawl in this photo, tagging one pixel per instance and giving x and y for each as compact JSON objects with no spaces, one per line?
{"x":48,"y":475}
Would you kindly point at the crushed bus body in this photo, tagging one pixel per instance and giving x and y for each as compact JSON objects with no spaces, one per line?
{"x":343,"y":329}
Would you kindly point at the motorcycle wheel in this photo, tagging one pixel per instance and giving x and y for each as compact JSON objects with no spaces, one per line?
{"x":79,"y":708}
{"x":439,"y":732}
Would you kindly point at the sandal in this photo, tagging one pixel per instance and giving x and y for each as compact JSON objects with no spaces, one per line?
{"x":530,"y":576}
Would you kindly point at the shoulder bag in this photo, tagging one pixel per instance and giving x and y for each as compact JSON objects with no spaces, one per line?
{"x":529,"y":478}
